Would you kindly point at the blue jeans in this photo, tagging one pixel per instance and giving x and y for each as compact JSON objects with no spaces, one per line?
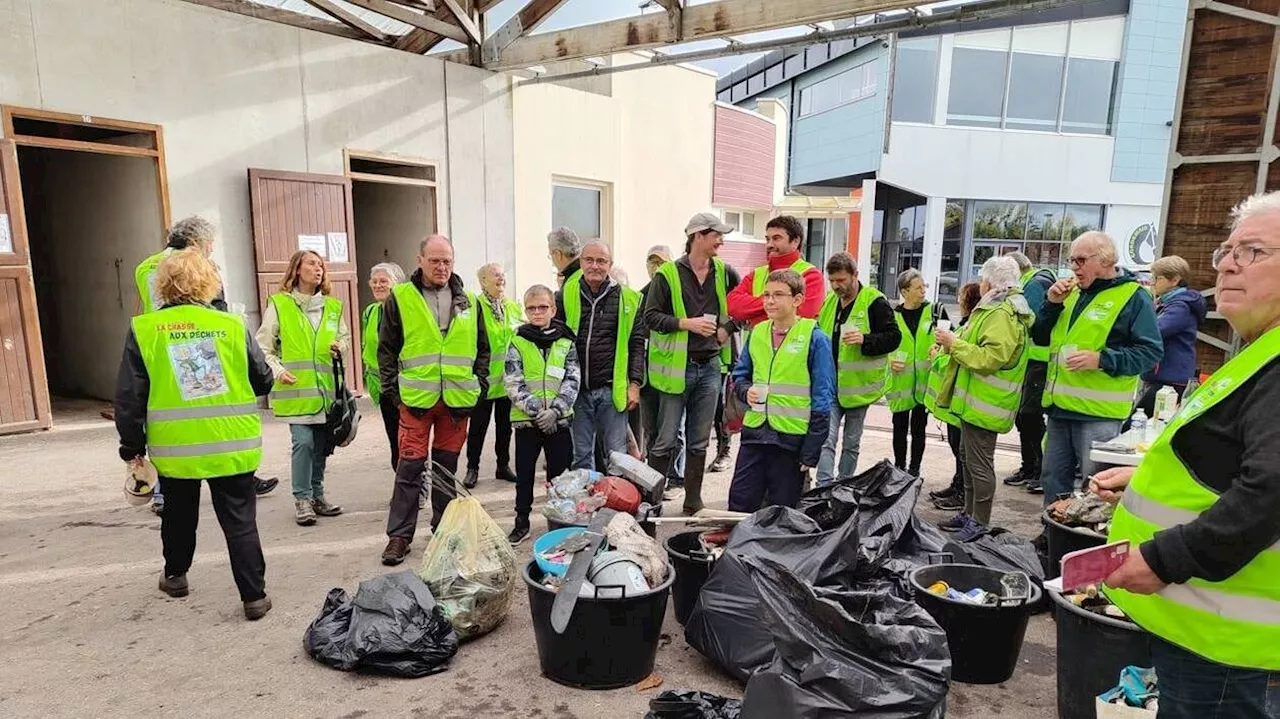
{"x":1196,"y":688}
{"x":693,"y":412}
{"x":594,"y":413}
{"x":853,"y":421}
{"x":307,"y":468}
{"x":1067,"y":446}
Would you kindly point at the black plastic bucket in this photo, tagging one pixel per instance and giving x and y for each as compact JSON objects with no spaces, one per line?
{"x":1092,"y":649}
{"x":649,"y":528}
{"x":609,"y":643}
{"x":692,"y":566}
{"x":985,"y":640}
{"x":1064,"y":540}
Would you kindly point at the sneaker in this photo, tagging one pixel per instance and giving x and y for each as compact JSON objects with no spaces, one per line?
{"x":324,"y":509}
{"x":157,"y":508}
{"x":1016,"y":479}
{"x":955,"y":523}
{"x":673,"y":492}
{"x":1033,"y":486}
{"x":263,"y":487}
{"x":970,"y":531}
{"x":505,"y":474}
{"x":257,"y":609}
{"x":951,"y":504}
{"x":721,"y":462}
{"x":397,"y":549}
{"x":518,"y":535}
{"x":472,"y":477}
{"x":944,"y":493}
{"x":303,"y":513}
{"x":175,"y":587}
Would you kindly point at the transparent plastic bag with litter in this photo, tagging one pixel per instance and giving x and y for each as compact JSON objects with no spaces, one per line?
{"x":470,"y":568}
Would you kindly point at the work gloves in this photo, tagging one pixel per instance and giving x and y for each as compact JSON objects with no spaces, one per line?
{"x":546,"y":420}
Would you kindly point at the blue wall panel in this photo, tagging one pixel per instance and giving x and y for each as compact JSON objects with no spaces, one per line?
{"x":1148,"y":89}
{"x":845,"y":140}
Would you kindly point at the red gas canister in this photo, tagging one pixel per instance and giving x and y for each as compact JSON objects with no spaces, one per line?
{"x":619,"y":494}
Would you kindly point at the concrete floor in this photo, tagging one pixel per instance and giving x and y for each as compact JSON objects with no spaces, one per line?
{"x":86,"y":633}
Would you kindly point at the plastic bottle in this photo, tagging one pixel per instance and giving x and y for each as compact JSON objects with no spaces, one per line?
{"x":1138,"y":424}
{"x":1191,"y":385}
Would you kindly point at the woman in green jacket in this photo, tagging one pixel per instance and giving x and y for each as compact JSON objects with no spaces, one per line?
{"x":382,"y":278}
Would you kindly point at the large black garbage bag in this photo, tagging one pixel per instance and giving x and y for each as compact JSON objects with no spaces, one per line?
{"x":686,"y":704}
{"x":999,"y":549}
{"x":725,"y":622}
{"x":393,"y":626}
{"x":884,"y":498}
{"x":844,"y":652}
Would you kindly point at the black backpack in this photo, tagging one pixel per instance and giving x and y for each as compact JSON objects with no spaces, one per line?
{"x":343,"y":418}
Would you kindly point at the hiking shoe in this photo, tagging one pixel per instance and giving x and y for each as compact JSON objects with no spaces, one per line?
{"x":472,"y":477}
{"x":397,"y":549}
{"x":955,"y":523}
{"x":721,"y":462}
{"x":157,"y":508}
{"x":951,"y":504}
{"x":505,"y":474}
{"x":1033,"y":486}
{"x":303,"y":513}
{"x":944,"y":493}
{"x":1016,"y":479}
{"x":257,"y":609}
{"x":175,"y":587}
{"x":324,"y":509}
{"x":518,"y":535}
{"x":263,"y":487}
{"x":970,"y":531}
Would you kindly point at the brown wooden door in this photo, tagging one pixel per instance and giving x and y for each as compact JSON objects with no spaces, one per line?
{"x":24,"y":392}
{"x":296,"y":210}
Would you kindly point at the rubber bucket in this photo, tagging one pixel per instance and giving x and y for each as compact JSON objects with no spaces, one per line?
{"x":609,"y":642}
{"x":1064,"y":540}
{"x":1092,"y":649}
{"x":650,"y":528}
{"x":985,"y":640}
{"x":692,"y":566}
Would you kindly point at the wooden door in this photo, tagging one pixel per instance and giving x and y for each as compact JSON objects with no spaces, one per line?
{"x":293,"y":211}
{"x":24,"y":392}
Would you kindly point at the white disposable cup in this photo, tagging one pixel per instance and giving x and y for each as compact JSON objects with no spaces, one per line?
{"x":762,"y":391}
{"x":1065,"y":352}
{"x":944,"y":325}
{"x":712,"y":318}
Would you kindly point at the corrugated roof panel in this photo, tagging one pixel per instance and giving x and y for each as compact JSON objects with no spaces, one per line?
{"x":382,"y":22}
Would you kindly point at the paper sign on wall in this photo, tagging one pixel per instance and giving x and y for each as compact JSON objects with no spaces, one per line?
{"x":314,"y":243}
{"x":338,"y":247}
{"x":6,"y":237}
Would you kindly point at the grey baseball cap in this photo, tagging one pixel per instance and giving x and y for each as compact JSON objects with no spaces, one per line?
{"x":704,"y":221}
{"x":660,"y":251}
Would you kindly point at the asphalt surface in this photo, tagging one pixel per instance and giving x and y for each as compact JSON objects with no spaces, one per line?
{"x":85,"y":632}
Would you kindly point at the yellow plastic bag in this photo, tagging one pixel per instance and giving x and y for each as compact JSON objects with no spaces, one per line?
{"x":470,"y":568}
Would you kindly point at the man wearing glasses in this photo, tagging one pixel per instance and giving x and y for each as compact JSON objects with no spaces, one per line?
{"x":1102,"y":334}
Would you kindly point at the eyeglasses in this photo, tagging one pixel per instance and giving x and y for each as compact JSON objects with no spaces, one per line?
{"x":1079,"y":261}
{"x":538,"y":309}
{"x":439,"y":261}
{"x":777,"y":296}
{"x":1242,"y":255}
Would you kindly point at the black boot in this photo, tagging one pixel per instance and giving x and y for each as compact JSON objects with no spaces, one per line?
{"x":473,"y":476}
{"x":693,"y":470}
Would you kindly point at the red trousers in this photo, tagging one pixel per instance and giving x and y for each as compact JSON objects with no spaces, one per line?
{"x":437,"y":429}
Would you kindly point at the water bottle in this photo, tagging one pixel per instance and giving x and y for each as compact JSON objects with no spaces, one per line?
{"x":1166,"y":403}
{"x":1138,"y":426}
{"x":1191,"y":385}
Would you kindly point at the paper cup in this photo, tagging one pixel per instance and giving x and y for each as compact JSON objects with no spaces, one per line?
{"x":944,"y":325}
{"x":762,"y":391}
{"x":1065,"y":352}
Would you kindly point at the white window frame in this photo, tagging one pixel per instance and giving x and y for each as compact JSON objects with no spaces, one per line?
{"x":605,"y":189}
{"x":863,"y":86}
{"x":735,"y":219}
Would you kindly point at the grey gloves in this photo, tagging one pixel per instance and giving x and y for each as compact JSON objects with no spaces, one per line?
{"x":546,"y":420}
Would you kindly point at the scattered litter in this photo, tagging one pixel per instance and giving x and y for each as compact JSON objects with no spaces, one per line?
{"x":686,"y":704}
{"x":626,"y":536}
{"x":1086,"y":510}
{"x":1092,"y":600}
{"x":653,"y":681}
{"x":470,"y":568}
{"x":648,"y":479}
{"x":1138,"y":690}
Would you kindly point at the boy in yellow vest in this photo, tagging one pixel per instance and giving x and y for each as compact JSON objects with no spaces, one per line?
{"x":786,"y":376}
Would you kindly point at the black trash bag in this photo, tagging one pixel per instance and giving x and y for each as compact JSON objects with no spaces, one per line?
{"x":999,"y":549}
{"x":724,"y":624}
{"x":687,"y":704}
{"x":844,"y":652}
{"x":392,"y":626}
{"x":884,"y":498}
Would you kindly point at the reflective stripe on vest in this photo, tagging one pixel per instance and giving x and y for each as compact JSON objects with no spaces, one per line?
{"x":1089,"y":392}
{"x":1036,"y":353}
{"x":989,"y":401}
{"x":369,"y":350}
{"x":669,"y":352}
{"x":785,"y":373}
{"x":906,"y":388}
{"x":144,"y":276}
{"x":435,"y":366}
{"x":628,"y":310}
{"x":937,"y":374}
{"x":202,"y":417}
{"x":1235,"y":622}
{"x":304,"y":352}
{"x":543,"y":374}
{"x":500,"y":334}
{"x":860,"y":380}
{"x":760,"y":275}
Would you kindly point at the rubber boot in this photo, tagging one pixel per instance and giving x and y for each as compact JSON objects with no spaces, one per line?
{"x":693,"y":471}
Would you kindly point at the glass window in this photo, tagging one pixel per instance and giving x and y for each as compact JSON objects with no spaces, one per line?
{"x":839,"y":238}
{"x":773,"y":75}
{"x":793,"y":65}
{"x":1090,"y":87}
{"x":1080,"y":219}
{"x":1035,"y":88}
{"x":1044,"y":254}
{"x":850,"y":85}
{"x":915,"y":80}
{"x":1044,"y":223}
{"x":815,"y":243}
{"x":577,"y":208}
{"x":977,"y":87}
{"x":999,"y":221}
{"x":815,"y":54}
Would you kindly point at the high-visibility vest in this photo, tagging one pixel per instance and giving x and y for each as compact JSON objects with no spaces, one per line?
{"x":937,"y":373}
{"x":989,"y":401}
{"x":669,"y":351}
{"x":1037,"y":353}
{"x":907,"y":388}
{"x":786,"y":373}
{"x":304,"y":352}
{"x":369,"y":350}
{"x":145,"y":277}
{"x":434,"y":365}
{"x":543,"y":374}
{"x":860,"y":380}
{"x":1236,"y":621}
{"x":628,"y":309}
{"x":500,"y":334}
{"x":202,"y":416}
{"x":760,"y":275}
{"x":1089,"y":392}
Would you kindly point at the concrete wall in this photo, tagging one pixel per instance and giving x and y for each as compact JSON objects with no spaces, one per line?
{"x":845,"y":140}
{"x":391,"y":221}
{"x":1148,"y":89}
{"x":649,"y":145}
{"x":233,"y":92}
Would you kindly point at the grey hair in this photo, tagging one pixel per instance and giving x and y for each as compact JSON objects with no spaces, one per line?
{"x":422,"y":246}
{"x":907,"y":277}
{"x":1001,"y":273}
{"x":1103,"y":244}
{"x":390,"y":269}
{"x":191,"y":231}
{"x":486,"y":268}
{"x":1024,"y":262}
{"x":1265,"y":203}
{"x":565,"y":240}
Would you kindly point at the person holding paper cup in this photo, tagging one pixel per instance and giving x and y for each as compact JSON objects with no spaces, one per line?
{"x":1202,"y":510}
{"x":909,"y":370}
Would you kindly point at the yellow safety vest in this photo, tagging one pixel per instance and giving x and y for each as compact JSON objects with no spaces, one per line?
{"x":433,"y":365}
{"x":907,"y":388}
{"x":1037,"y":353}
{"x":760,"y":275}
{"x":788,"y":403}
{"x":542,"y":373}
{"x":628,"y":310}
{"x":860,"y":380}
{"x":144,"y":275}
{"x":304,"y":352}
{"x":669,"y":351}
{"x":1089,"y":392}
{"x":989,"y":401}
{"x":500,"y":334}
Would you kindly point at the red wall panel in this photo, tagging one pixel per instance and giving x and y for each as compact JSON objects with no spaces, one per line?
{"x":744,"y":160}
{"x":743,"y":256}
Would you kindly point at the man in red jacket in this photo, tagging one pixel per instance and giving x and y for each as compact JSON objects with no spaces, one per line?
{"x":784,"y":236}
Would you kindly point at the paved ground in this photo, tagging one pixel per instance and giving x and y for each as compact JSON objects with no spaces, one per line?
{"x":86,"y":633}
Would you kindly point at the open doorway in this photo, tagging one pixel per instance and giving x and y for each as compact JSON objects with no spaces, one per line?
{"x":394,"y":208}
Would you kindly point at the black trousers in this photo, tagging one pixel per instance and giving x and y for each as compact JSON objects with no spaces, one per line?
{"x":1030,"y":420}
{"x":530,"y":442}
{"x":763,"y":475}
{"x":722,"y":432}
{"x":916,"y":420}
{"x":953,"y":440}
{"x":500,"y":408}
{"x":236,"y":506}
{"x":391,"y":422}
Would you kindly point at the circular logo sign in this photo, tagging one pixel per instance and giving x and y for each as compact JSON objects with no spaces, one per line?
{"x":1142,"y":244}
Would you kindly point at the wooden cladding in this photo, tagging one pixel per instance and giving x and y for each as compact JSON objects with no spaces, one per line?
{"x":24,"y":394}
{"x":288,"y":206}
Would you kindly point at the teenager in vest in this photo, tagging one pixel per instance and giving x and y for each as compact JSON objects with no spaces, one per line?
{"x":687,"y":316}
{"x":433,"y":353}
{"x":501,"y":317}
{"x":860,"y":323}
{"x":784,"y":240}
{"x":186,"y":398}
{"x":909,"y":371}
{"x":541,"y":381}
{"x":302,"y":331}
{"x":382,"y":277}
{"x":786,"y":377}
{"x":1101,"y":330}
{"x":609,"y":337}
{"x":1202,"y":511}
{"x":1030,"y":421}
{"x":982,"y":386}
